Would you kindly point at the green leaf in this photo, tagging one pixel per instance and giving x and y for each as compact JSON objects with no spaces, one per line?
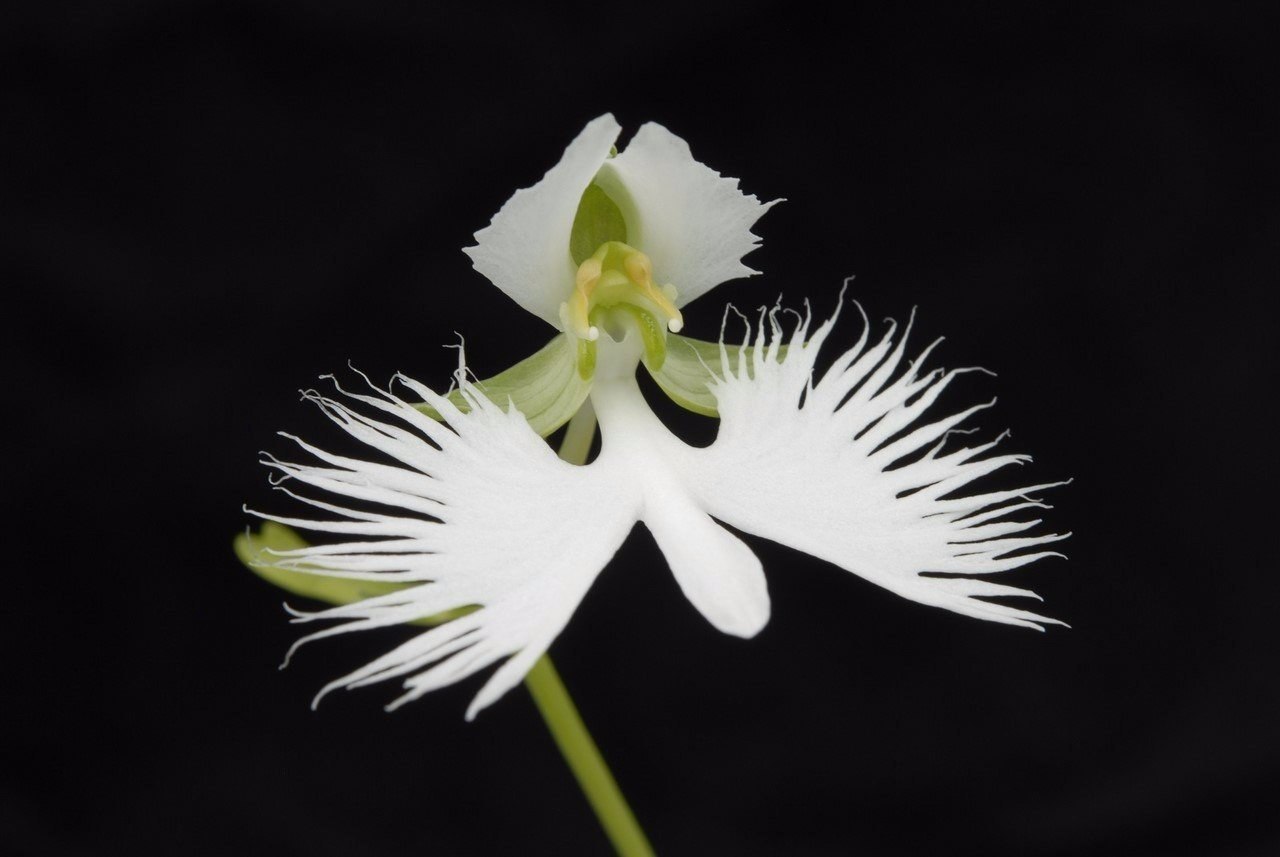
{"x":545,"y":387}
{"x":598,"y":220}
{"x":255,"y":551}
{"x":690,"y":365}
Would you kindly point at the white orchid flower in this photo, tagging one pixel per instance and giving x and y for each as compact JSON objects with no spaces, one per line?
{"x":476,"y":511}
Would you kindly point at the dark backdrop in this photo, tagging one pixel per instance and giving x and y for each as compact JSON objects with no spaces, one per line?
{"x":206,"y":206}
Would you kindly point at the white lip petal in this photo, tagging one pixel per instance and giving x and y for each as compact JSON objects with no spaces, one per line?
{"x":717,"y":572}
{"x":525,"y":248}
{"x":692,"y":222}
{"x":840,"y":468}
{"x":480,"y":512}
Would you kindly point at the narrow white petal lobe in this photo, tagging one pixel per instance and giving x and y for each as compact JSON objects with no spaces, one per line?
{"x":719,"y":574}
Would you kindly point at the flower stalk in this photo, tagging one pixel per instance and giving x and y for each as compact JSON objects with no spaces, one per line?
{"x":561,"y":716}
{"x":583,"y":758}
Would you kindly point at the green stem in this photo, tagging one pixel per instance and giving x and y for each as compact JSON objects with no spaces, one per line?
{"x":561,"y":715}
{"x":584,"y":759}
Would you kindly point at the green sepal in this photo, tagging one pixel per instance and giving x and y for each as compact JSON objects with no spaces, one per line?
{"x":546,"y":387}
{"x":255,"y":551}
{"x":597,"y":221}
{"x":691,"y":364}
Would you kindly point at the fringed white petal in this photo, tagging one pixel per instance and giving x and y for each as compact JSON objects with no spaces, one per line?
{"x":474,"y":511}
{"x":525,"y":249}
{"x":692,"y":222}
{"x":845,"y":468}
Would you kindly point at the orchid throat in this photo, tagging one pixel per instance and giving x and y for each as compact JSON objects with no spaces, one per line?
{"x":614,"y":291}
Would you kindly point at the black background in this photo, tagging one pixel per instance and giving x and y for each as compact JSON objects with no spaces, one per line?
{"x":207,"y":206}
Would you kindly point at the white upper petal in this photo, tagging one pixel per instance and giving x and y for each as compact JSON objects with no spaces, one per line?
{"x":525,"y":248}
{"x":694,"y":224}
{"x":478,"y":512}
{"x":843,"y":469}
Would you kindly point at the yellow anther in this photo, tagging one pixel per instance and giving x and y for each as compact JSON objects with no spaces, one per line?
{"x":588,"y":275}
{"x":579,"y":304}
{"x":640,"y":270}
